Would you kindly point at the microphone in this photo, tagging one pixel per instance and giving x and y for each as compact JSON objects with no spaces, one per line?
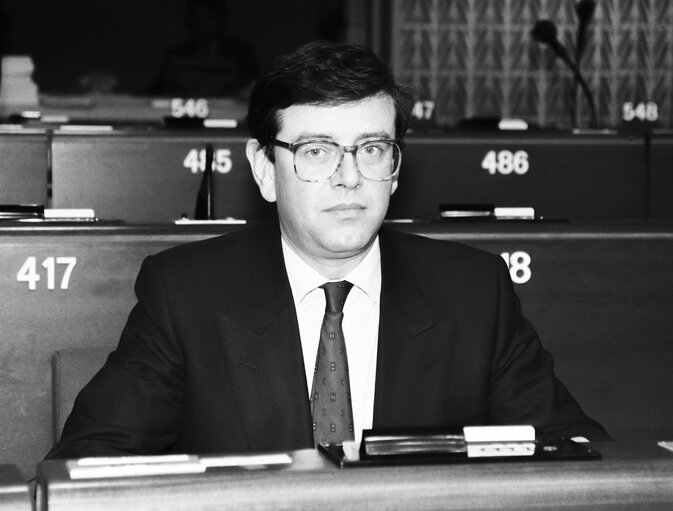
{"x":205,"y":209}
{"x":585,"y":11}
{"x":545,"y":32}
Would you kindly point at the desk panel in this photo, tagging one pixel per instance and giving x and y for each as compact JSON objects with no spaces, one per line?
{"x":152,"y":176}
{"x":43,"y":311}
{"x":580,"y":177}
{"x":661,"y":176}
{"x":13,"y":490}
{"x":601,"y":299}
{"x":630,"y":476}
{"x":600,"y":296}
{"x":23,"y":167}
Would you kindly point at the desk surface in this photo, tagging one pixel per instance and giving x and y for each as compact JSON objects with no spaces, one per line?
{"x":630,"y":476}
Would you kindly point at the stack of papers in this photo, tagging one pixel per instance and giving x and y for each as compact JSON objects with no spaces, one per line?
{"x":131,"y":466}
{"x":96,"y":468}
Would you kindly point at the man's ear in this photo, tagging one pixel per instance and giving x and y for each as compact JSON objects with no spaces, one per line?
{"x":394,"y":184}
{"x":263,"y":170}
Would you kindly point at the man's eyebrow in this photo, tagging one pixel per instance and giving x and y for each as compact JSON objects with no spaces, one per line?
{"x":376,"y":134}
{"x":302,"y":137}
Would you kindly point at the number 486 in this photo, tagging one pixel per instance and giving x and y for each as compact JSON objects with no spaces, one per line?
{"x":505,"y":162}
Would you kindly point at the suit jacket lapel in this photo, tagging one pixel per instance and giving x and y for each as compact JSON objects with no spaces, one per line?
{"x":262,"y":351}
{"x":410,"y":328}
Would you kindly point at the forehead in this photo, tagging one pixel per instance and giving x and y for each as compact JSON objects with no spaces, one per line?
{"x":344,"y":122}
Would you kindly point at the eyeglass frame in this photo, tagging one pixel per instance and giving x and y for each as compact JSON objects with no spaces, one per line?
{"x":293,"y":147}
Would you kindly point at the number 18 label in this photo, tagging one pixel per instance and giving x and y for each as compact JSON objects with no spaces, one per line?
{"x":519,"y":266}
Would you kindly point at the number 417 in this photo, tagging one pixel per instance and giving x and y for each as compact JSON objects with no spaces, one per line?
{"x":29,"y":271}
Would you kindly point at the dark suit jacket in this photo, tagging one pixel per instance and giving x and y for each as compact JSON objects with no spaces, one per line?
{"x":210,"y":360}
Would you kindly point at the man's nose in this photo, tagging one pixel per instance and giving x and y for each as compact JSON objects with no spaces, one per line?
{"x":347,"y":173}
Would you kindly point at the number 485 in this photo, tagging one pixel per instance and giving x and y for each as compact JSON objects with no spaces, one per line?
{"x":30,"y":273}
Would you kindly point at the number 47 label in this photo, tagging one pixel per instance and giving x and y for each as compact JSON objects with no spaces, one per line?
{"x":32,"y":273}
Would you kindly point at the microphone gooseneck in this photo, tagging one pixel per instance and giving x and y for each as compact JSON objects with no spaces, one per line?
{"x":545,"y":32}
{"x":585,"y":11}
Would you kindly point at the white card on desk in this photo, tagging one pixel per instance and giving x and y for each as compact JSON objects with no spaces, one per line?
{"x":666,"y":445}
{"x":130,"y":466}
{"x":246,"y":460}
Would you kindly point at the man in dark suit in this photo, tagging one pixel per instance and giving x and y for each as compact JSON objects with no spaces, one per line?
{"x":218,"y":354}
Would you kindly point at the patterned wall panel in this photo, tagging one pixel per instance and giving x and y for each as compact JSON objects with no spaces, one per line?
{"x":477,"y":58}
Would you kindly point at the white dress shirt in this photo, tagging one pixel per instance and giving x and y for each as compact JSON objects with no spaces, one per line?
{"x":360,"y":324}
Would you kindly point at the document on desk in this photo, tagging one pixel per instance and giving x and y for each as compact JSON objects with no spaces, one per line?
{"x":667,"y":445}
{"x":130,"y":466}
{"x":222,"y":221}
{"x":247,"y":461}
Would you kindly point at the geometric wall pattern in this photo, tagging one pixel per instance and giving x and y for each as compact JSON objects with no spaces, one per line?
{"x":477,"y":58}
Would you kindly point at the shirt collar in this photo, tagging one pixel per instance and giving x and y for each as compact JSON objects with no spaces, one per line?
{"x":303,"y":279}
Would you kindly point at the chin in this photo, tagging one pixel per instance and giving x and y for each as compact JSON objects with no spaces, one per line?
{"x":350,"y":244}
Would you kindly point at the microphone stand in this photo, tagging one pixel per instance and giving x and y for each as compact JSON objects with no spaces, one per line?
{"x":205,"y":209}
{"x":585,"y":11}
{"x":544,"y":32}
{"x":578,"y":78}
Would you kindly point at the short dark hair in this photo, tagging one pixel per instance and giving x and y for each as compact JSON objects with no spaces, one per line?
{"x":322,"y":73}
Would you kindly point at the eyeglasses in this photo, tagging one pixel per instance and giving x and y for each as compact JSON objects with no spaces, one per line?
{"x":315,"y":161}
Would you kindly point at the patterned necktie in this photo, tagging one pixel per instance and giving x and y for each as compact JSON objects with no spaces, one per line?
{"x":331,"y":396}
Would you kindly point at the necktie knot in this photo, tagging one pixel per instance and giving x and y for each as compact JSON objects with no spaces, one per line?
{"x":335,"y":295}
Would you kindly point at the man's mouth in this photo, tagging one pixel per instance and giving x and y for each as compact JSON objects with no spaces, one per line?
{"x":351,"y":206}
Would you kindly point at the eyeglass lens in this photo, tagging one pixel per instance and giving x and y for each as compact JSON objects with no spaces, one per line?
{"x":376,"y":160}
